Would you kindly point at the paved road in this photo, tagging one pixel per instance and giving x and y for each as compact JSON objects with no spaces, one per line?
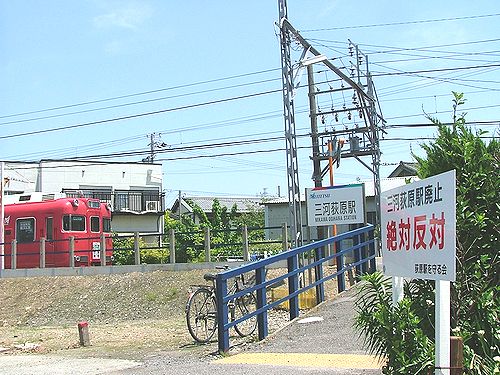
{"x":323,"y":342}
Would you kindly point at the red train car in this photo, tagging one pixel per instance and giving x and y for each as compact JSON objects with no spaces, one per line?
{"x":57,"y":220}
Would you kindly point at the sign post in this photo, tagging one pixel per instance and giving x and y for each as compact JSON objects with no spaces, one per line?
{"x":418,"y":232}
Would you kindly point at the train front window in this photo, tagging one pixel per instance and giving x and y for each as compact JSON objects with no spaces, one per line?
{"x":25,"y":230}
{"x":106,"y":225}
{"x":75,"y":223}
{"x":94,"y":224}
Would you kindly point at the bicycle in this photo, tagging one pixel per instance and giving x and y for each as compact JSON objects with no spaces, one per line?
{"x":201,"y":309}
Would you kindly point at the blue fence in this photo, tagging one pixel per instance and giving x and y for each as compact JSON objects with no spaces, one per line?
{"x":361,"y":250}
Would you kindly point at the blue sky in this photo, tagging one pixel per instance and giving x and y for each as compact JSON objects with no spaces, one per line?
{"x":203,"y":73}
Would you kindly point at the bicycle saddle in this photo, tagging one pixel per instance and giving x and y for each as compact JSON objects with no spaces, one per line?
{"x":209,"y":277}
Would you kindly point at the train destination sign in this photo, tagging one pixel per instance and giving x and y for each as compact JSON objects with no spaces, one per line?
{"x":418,"y":223}
{"x":343,"y":204}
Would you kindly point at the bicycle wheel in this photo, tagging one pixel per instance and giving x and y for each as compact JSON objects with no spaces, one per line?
{"x":201,"y":315}
{"x":242,"y":306}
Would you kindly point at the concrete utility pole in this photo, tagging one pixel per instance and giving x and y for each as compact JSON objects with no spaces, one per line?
{"x":155,"y":143}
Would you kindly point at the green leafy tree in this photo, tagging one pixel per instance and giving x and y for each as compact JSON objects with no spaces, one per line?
{"x":475,"y":294}
{"x":225,"y":231}
{"x":188,"y":238}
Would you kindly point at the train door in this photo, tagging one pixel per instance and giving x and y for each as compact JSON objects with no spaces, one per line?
{"x":50,"y":248}
{"x":28,"y":251}
{"x":95,"y":236}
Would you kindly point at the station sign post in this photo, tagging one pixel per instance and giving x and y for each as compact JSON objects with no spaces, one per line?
{"x":418,"y":238}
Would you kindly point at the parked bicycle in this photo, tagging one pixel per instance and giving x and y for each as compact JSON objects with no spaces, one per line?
{"x":201,"y":309}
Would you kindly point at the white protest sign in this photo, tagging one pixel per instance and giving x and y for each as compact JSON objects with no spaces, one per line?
{"x":418,"y":223}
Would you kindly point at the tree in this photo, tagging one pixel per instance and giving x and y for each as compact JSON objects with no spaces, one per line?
{"x":475,"y":294}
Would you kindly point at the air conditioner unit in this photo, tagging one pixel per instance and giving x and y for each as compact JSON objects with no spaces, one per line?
{"x":152,"y":206}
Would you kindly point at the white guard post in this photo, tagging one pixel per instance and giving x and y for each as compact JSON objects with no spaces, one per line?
{"x":442,"y":327}
{"x":397,"y":290}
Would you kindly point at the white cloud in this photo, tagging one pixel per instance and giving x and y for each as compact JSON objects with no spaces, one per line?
{"x":130,"y":16}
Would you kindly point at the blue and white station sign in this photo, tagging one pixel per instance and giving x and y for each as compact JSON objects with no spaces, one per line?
{"x":343,"y":204}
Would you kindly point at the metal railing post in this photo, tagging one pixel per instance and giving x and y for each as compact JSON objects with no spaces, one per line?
{"x":293,"y":286}
{"x":222,"y":314}
{"x":357,"y":255}
{"x":207,"y":244}
{"x":103,"y":250}
{"x":340,"y":267}
{"x":72,"y":251}
{"x":42,"y":252}
{"x":13,"y":253}
{"x":364,"y":253}
{"x":260,"y":278}
{"x":246,"y":255}
{"x":172,"y":245}
{"x":371,"y":250}
{"x":318,"y":274}
{"x":137,"y":251}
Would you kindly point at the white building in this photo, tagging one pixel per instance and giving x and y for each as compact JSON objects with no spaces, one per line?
{"x":134,"y":190}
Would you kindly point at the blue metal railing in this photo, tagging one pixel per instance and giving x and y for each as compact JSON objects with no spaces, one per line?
{"x":362,"y":251}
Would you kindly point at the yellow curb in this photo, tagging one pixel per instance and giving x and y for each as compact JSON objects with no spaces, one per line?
{"x":345,"y":361}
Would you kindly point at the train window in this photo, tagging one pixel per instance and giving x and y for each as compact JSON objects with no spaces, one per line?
{"x":94,"y":224}
{"x":25,"y":230}
{"x":106,"y":225}
{"x":74,"y":223}
{"x":49,"y":225}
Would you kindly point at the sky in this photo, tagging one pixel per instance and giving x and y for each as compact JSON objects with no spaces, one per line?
{"x":94,"y":79}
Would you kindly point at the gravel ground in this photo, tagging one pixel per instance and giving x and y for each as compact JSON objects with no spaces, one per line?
{"x":129,"y":315}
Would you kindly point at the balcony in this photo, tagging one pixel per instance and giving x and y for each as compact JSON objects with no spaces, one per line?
{"x":123,"y":201}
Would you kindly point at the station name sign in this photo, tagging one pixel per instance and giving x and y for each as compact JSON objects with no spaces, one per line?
{"x":343,"y":204}
{"x":418,"y":229}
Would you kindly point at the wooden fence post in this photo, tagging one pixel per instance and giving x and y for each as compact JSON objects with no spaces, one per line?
{"x":456,"y":355}
{"x":284,"y":235}
{"x":13,"y":253}
{"x":103,"y":250}
{"x":42,"y":252}
{"x":71,"y":251}
{"x":246,"y":255}
{"x":137,"y":251}
{"x":207,"y":244}
{"x":172,"y":245}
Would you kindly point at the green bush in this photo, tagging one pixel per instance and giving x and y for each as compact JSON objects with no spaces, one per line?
{"x":475,"y":296}
{"x":396,"y":334}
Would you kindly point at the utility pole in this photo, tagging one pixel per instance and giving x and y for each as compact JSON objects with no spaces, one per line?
{"x":294,"y":202}
{"x":362,"y":118}
{"x":155,"y":143}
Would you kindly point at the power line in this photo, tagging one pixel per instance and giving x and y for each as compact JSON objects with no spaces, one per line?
{"x":402,"y":23}
{"x":141,"y":114}
{"x":141,"y":93}
{"x":435,"y":70}
{"x":139,"y":102}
